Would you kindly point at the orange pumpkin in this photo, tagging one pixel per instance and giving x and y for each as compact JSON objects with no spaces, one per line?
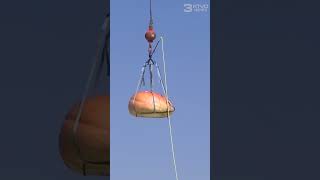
{"x":91,"y":154}
{"x":150,"y":105}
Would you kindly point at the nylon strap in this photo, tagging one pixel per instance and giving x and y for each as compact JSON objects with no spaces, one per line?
{"x":101,"y":57}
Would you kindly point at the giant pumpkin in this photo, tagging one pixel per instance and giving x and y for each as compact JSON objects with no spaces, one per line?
{"x":150,"y":104}
{"x":88,"y":150}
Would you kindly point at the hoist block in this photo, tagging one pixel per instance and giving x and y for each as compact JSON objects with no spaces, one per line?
{"x":150,"y":35}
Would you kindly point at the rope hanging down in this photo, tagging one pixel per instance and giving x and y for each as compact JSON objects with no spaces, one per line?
{"x":168,"y":113}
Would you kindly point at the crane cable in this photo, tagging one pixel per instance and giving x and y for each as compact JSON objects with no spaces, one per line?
{"x":151,"y":18}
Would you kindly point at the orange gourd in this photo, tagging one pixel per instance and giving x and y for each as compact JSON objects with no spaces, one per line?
{"x":91,"y":154}
{"x":150,"y":105}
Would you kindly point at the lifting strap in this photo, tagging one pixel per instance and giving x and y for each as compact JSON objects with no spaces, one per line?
{"x":102,"y":57}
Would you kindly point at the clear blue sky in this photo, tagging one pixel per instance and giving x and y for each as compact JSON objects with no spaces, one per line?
{"x":140,"y":148}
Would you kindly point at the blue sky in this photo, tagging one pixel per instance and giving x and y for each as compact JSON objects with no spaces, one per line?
{"x":140,"y":148}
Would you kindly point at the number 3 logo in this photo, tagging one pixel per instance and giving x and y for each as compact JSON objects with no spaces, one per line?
{"x":187,"y":7}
